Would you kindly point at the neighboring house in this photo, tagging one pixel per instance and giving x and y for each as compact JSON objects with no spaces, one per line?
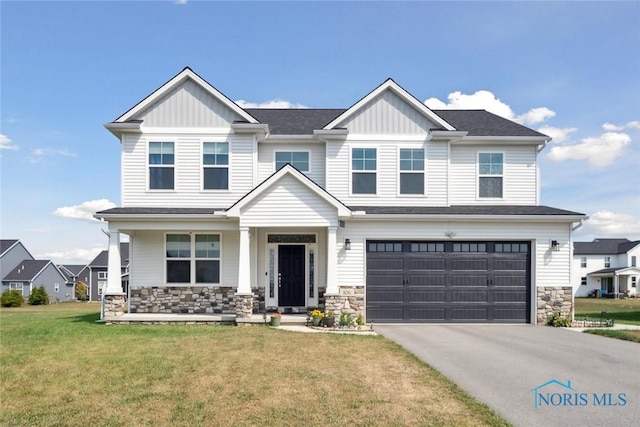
{"x":608,"y":266}
{"x":74,"y":274}
{"x":12,"y":252}
{"x":386,"y":208}
{"x":31,"y":274}
{"x":98,"y":272}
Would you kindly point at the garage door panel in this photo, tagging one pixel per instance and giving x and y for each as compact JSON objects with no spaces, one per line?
{"x":511,"y":315}
{"x":510,"y":264}
{"x":427,"y":280}
{"x":509,"y":296}
{"x":425,"y":264}
{"x":467,"y":263}
{"x":385,"y":264}
{"x":385,"y":280}
{"x":385,"y":314}
{"x":469,"y":279}
{"x":425,"y":314}
{"x":385,"y":296}
{"x":463,"y":313}
{"x":426,"y":295}
{"x":470,"y":296}
{"x":510,"y":280}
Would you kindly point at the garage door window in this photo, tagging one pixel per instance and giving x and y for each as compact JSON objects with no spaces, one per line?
{"x":522,"y":248}
{"x":427,"y":247}
{"x":385,"y":247}
{"x":469,"y":247}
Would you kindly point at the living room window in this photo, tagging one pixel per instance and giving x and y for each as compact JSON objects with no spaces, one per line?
{"x":363,"y":170}
{"x":411,"y":171}
{"x":297,"y":159}
{"x":193,"y":260}
{"x":215,"y":165}
{"x":161,"y":165}
{"x":490,"y":175}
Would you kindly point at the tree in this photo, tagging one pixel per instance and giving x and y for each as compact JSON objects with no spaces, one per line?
{"x":12,"y":299}
{"x":39,"y":296}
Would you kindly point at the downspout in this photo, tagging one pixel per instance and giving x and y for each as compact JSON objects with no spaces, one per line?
{"x":579,"y":225}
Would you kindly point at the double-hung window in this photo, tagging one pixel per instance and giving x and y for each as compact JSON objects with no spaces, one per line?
{"x":633,"y":261}
{"x":490,"y":175}
{"x":363,"y":170}
{"x":161,"y":165}
{"x":411,"y":171}
{"x":193,"y":259}
{"x":15,"y":286}
{"x":583,"y":262}
{"x":297,"y":159}
{"x":215,"y":165}
{"x":607,"y":262}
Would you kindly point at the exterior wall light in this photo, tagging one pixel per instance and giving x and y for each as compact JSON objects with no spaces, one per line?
{"x":555,"y":246}
{"x":347,"y":244}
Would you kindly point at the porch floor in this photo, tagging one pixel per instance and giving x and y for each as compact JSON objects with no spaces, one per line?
{"x":162,"y":318}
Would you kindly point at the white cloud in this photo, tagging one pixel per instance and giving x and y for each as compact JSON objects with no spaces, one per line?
{"x":180,"y":1}
{"x":274,"y":103}
{"x":85,"y":210}
{"x":37,"y":154}
{"x":558,"y":134}
{"x":486,"y":100}
{"x":599,"y":151}
{"x":609,"y":224}
{"x":6,"y":143}
{"x":72,"y":256}
{"x":610,"y":127}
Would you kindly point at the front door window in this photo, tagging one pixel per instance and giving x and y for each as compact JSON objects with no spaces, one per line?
{"x":291,"y":275}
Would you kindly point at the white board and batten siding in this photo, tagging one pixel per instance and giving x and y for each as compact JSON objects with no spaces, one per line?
{"x":288,"y":202}
{"x":519,"y":175}
{"x":188,"y":185}
{"x":266,"y":159}
{"x":148,"y":251}
{"x":548,"y":269}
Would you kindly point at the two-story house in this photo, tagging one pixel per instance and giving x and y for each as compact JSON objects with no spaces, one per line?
{"x":97,"y":272}
{"x":606,"y":267}
{"x":386,"y":208}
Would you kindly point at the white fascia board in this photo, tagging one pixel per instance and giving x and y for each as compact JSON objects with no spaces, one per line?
{"x":467,"y":218}
{"x":11,"y":247}
{"x":178,"y":224}
{"x":330,"y":134}
{"x":289,"y":138}
{"x":250,"y":128}
{"x":187,"y":73}
{"x":447,"y":135}
{"x":389,"y":84}
{"x":382,"y":137}
{"x":502,"y":140}
{"x":119,"y":128}
{"x":158,"y":217}
{"x":157,"y":130}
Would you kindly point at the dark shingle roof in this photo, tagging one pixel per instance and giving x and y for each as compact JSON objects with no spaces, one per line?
{"x":102,"y":260}
{"x":26,"y":270}
{"x":463,"y":210}
{"x":294,"y":121}
{"x":69,"y":270}
{"x":161,"y":211}
{"x":484,"y":123}
{"x":5,"y":244}
{"x":604,"y":246}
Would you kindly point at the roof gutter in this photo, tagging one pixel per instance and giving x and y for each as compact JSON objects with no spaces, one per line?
{"x":465,"y":218}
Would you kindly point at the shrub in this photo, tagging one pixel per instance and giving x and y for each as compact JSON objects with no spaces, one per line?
{"x":360,"y":320}
{"x":39,"y":296}
{"x":345,"y":319}
{"x":12,"y":299}
{"x":557,"y":320}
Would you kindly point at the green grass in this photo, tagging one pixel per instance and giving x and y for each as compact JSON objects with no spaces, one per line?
{"x":622,"y":310}
{"x":627,"y":335}
{"x":59,"y":367}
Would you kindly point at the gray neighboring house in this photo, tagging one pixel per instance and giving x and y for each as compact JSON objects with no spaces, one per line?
{"x":98,"y":272}
{"x":12,"y":251}
{"x":33,"y":273}
{"x":75,"y":273}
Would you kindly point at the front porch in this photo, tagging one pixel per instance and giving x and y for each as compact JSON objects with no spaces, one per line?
{"x":204,"y":319}
{"x":617,"y":282}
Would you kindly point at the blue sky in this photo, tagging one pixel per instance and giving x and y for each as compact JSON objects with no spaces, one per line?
{"x":570,"y":69}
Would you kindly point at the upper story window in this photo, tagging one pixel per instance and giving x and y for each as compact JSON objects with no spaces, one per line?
{"x":583,"y":262}
{"x":607,"y":262}
{"x":490,"y":175}
{"x":161,"y":165}
{"x":633,"y":261}
{"x":411,"y":171}
{"x":193,"y":260}
{"x":297,"y":159}
{"x":215,"y":165}
{"x":102,"y":274}
{"x":363,"y":170}
{"x":583,"y":281}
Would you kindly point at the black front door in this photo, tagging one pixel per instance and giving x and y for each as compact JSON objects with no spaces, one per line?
{"x":291,"y":275}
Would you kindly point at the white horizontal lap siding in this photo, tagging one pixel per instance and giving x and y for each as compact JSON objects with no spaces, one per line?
{"x":288,"y":202}
{"x":389,"y":114}
{"x":189,"y":105}
{"x":337,"y":167}
{"x":229,"y":262}
{"x":188,"y":190}
{"x":519,"y":175}
{"x":266,"y":159}
{"x":550,"y":268}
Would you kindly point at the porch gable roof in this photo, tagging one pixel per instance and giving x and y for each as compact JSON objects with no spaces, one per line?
{"x":618,"y":271}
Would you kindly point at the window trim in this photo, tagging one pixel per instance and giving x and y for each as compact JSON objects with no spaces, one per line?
{"x":583,"y":281}
{"x":583,"y":262}
{"x":56,"y":287}
{"x":351,"y":171}
{"x":607,"y":262}
{"x":193,"y":259}
{"x":478,"y":175}
{"x":13,"y":286}
{"x":275,"y":151}
{"x":103,"y":275}
{"x":634,"y":261}
{"x":203,"y":166}
{"x":399,"y":172}
{"x":173,"y":166}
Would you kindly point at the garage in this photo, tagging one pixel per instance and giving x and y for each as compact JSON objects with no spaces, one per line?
{"x":448,"y":282}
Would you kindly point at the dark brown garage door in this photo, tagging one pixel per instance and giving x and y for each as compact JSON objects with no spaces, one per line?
{"x":480,"y":282}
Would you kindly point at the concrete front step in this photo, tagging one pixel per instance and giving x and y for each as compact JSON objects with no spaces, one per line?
{"x":167,"y":318}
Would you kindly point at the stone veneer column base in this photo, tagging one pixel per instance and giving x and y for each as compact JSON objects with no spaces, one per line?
{"x":113,"y":305}
{"x":553,"y":299}
{"x":244,"y":305}
{"x":350,"y":300}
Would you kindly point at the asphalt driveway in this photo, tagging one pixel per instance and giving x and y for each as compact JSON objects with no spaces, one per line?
{"x":507,"y":367}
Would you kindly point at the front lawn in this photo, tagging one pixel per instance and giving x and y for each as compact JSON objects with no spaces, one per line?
{"x":59,"y":367}
{"x":627,"y":335}
{"x":622,"y":310}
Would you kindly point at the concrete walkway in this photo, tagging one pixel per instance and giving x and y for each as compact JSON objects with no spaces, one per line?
{"x":507,"y":367}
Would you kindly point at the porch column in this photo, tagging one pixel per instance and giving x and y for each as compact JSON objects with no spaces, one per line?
{"x":244,"y":298}
{"x":616,"y":285}
{"x":332,"y":262}
{"x":114,"y":267}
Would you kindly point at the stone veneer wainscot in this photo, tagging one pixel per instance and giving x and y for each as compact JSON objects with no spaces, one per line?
{"x":554,"y":299}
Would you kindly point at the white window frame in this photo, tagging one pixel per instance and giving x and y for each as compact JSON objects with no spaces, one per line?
{"x":13,"y":286}
{"x":192,"y":260}
{"x":607,"y":262}
{"x":227,"y":166}
{"x":634,"y":282}
{"x":56,"y":287}
{"x":423,"y":172}
{"x":149,"y":166}
{"x":633,"y":261}
{"x":478,"y":175}
{"x":583,"y":262}
{"x":101,"y":285}
{"x":103,"y":275}
{"x":352,"y":171}
{"x":275,"y":167}
{"x":583,"y":281}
